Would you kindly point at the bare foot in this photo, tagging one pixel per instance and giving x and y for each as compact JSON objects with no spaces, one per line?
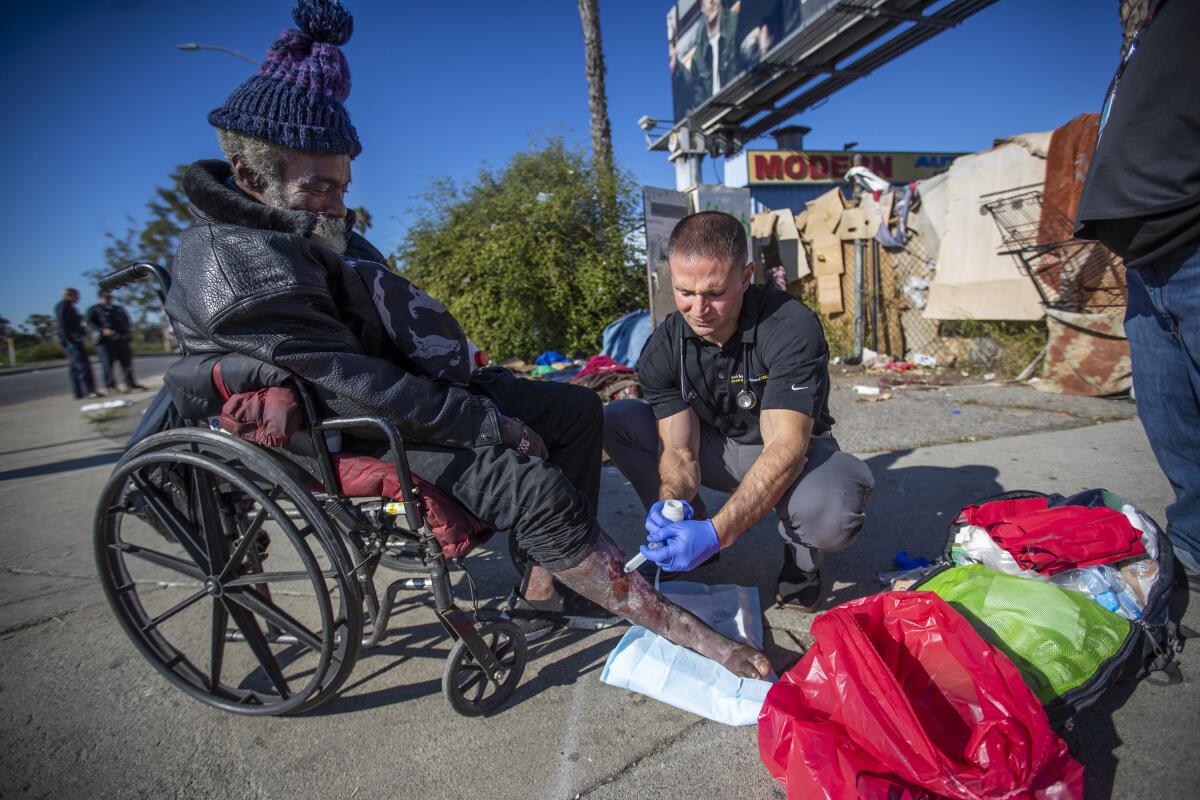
{"x":746,"y":662}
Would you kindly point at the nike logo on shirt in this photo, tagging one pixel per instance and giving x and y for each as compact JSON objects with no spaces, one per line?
{"x":796,"y":388}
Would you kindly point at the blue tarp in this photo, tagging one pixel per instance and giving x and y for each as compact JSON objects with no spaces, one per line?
{"x":623,"y":339}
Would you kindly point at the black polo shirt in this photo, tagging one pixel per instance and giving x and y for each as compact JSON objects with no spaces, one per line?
{"x":788,"y":367}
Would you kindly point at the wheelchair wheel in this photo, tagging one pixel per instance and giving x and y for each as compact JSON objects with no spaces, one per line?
{"x":226,"y":574}
{"x":466,"y":685}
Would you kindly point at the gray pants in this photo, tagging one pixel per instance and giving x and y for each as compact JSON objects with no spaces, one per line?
{"x":822,"y":510}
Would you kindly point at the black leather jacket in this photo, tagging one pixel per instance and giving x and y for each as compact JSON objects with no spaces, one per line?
{"x":250,"y":279}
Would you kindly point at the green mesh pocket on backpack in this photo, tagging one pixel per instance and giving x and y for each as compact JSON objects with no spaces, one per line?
{"x":1057,"y":638}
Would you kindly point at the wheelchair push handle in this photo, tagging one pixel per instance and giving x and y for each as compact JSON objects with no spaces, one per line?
{"x":137,"y":271}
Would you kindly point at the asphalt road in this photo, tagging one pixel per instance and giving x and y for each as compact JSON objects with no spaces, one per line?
{"x":21,"y":387}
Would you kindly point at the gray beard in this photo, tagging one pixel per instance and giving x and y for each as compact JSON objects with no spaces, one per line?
{"x":329,"y":231}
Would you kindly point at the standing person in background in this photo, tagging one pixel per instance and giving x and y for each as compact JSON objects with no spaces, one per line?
{"x":111,"y":326}
{"x":1142,"y":201}
{"x":71,"y":336}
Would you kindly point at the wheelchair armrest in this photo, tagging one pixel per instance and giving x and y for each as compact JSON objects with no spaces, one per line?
{"x":329,"y":476}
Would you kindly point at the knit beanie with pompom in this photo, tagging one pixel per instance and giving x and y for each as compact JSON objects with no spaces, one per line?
{"x":296,"y":98}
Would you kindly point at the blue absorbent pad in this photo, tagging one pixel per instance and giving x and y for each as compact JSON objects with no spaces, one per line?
{"x":651,"y":665}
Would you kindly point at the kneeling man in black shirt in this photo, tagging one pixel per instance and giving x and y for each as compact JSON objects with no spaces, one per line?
{"x":737,"y":384}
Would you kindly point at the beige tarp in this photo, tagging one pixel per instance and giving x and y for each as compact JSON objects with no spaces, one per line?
{"x":928,"y":219}
{"x":972,"y":281}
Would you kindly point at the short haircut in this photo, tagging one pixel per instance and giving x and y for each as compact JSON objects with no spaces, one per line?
{"x":713,"y":234}
{"x":67,"y":292}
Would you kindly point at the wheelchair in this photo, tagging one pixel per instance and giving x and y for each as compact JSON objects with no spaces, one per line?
{"x":248,"y":582}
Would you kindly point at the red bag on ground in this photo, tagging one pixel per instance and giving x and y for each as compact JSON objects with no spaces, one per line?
{"x":899,"y":698}
{"x":1052,"y":540}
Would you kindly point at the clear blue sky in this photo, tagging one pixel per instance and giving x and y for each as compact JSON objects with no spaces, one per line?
{"x":102,"y":106}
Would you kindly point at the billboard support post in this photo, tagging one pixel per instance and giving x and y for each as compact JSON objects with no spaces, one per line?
{"x":687,"y":153}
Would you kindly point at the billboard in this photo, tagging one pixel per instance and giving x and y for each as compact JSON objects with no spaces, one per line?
{"x":766,"y":167}
{"x":710,"y":43}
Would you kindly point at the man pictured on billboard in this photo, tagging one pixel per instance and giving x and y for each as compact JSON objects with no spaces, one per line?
{"x":726,"y":40}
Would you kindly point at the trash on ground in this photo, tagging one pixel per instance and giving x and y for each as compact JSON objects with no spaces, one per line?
{"x":105,"y":404}
{"x":866,"y":390}
{"x":922,"y":360}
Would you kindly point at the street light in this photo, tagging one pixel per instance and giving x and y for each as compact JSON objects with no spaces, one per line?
{"x":191,"y":46}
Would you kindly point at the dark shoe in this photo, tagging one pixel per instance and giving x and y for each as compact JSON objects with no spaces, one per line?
{"x":797,"y":590}
{"x":138,"y":387}
{"x":93,"y":395}
{"x":536,"y":619}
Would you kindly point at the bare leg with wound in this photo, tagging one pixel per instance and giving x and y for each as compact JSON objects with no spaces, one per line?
{"x":601,"y":578}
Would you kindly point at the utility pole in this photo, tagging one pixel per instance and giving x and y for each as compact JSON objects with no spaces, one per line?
{"x":593,"y":66}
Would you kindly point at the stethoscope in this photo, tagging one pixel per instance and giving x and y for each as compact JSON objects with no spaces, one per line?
{"x":745,"y":399}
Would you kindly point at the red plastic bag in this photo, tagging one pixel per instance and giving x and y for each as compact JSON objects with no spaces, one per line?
{"x":899,"y":698}
{"x":1052,"y":540}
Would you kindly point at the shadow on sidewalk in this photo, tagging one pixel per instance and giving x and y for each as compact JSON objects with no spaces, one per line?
{"x":911,"y":509}
{"x":69,"y":465}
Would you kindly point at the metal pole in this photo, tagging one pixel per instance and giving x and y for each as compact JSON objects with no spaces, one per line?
{"x":12,"y":353}
{"x":192,"y":46}
{"x":877,"y":295}
{"x":859,"y":319}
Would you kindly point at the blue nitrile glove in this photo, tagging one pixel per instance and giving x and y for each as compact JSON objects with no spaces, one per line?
{"x":656,"y":520}
{"x":686,"y":545}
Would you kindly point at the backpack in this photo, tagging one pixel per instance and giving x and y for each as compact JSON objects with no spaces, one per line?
{"x":1069,"y":649}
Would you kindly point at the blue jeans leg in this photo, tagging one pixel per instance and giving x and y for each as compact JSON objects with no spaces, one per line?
{"x":80,"y":370}
{"x":1163,"y":326}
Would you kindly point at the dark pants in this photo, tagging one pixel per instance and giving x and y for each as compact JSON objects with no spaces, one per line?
{"x":548,"y":506}
{"x":80,"y":370}
{"x":116,"y":352}
{"x":822,"y":511}
{"x":1163,"y":326}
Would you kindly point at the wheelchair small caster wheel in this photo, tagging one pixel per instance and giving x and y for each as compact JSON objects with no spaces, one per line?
{"x":467,"y":687}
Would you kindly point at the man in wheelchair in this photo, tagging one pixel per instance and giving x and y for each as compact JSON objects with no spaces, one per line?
{"x":272,"y":270}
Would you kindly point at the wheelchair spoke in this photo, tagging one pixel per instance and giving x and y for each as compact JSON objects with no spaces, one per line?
{"x":260,"y":605}
{"x":256,"y":578}
{"x":183,"y":531}
{"x":213,"y":518}
{"x":248,"y":538}
{"x":160,"y":559}
{"x":476,"y":681}
{"x":258,"y":645}
{"x":173,"y":610}
{"x":220,"y":619}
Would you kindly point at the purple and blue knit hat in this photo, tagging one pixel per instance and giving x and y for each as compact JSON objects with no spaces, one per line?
{"x":296,"y":98}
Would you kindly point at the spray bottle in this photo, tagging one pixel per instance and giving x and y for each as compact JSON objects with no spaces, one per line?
{"x":673,"y":511}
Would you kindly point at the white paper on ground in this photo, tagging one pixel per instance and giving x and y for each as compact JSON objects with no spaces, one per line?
{"x":651,"y":665}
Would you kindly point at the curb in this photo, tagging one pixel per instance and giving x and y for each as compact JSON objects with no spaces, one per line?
{"x":5,"y":371}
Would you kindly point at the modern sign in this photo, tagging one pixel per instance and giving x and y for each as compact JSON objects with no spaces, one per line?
{"x":831,"y":166}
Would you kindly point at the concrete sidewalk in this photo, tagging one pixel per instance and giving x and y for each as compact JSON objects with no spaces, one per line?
{"x":83,"y":715}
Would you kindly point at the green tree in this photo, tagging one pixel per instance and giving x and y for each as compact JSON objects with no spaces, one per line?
{"x":362,"y":220}
{"x":6,"y":328}
{"x":42,"y":326}
{"x":154,"y":241}
{"x":525,"y":258}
